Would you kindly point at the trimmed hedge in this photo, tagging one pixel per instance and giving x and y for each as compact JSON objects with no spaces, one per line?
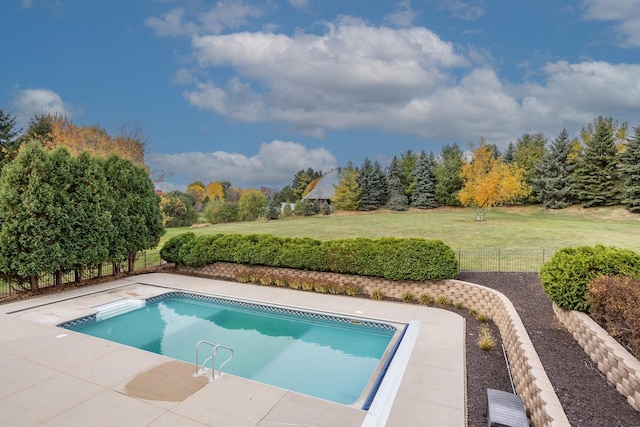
{"x":566,"y":275}
{"x":398,"y":259}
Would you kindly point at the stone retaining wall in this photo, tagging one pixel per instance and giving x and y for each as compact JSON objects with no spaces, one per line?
{"x":621,"y":367}
{"x":530,"y":379}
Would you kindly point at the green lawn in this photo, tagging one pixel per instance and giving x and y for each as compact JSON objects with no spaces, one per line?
{"x":507,"y":228}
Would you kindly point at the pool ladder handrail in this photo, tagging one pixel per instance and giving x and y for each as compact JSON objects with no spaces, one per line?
{"x":202,"y":369}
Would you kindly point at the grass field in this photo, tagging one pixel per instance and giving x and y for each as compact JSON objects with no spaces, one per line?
{"x":508,"y":228}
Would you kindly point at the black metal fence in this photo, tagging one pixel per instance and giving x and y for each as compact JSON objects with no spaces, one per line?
{"x":505,"y":260}
{"x":144,"y":260}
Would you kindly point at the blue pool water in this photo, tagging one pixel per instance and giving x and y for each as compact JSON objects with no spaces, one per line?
{"x":323,"y":356}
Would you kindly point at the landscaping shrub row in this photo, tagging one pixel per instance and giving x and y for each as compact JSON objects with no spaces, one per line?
{"x":566,"y":275}
{"x":390,"y":258}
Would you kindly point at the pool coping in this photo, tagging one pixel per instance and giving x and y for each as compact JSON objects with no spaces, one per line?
{"x":431,"y":393}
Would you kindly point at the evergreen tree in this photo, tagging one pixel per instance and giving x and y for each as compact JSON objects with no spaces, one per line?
{"x":372,"y":183}
{"x":631,"y":172}
{"x":40,"y":129}
{"x":407,"y":164}
{"x":397,"y":198}
{"x":347,"y":195}
{"x":597,"y":175}
{"x":273,"y":209}
{"x":381,"y":178}
{"x":9,"y":142}
{"x":553,"y":180}
{"x":509,"y":153}
{"x":447,"y":172}
{"x":424,"y":192}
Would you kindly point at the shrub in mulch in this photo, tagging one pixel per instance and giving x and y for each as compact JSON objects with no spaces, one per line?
{"x":614,"y":303}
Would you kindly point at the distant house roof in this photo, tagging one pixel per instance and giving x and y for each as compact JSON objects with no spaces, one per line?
{"x":325,"y":189}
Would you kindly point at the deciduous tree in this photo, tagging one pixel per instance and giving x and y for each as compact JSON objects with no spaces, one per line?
{"x":347,"y":195}
{"x":197,"y":190}
{"x":252,"y":205}
{"x":489,"y":182}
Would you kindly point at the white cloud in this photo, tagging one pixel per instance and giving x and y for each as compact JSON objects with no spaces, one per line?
{"x":29,"y":102}
{"x":170,"y":25}
{"x":299,"y":4}
{"x":275,"y":164}
{"x":624,"y":13}
{"x":465,"y":10}
{"x":224,"y":14}
{"x":403,"y":16}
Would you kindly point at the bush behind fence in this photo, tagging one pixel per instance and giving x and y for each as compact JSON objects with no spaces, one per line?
{"x":500,"y":260}
{"x":144,"y":260}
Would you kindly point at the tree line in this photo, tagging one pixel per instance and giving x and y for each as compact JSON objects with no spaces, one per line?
{"x":599,"y":167}
{"x":68,"y":203}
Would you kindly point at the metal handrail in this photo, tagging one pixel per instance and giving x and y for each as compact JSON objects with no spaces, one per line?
{"x":201,"y":369}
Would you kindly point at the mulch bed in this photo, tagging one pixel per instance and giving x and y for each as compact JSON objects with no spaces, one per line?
{"x":586,"y":396}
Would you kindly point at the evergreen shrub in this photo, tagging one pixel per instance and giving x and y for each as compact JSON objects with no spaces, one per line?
{"x":566,"y":275}
{"x":170,"y":252}
{"x":397,"y":259}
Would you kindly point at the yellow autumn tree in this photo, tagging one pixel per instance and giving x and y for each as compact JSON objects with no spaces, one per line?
{"x":488,"y":181}
{"x":197,"y":190}
{"x":214,"y":191}
{"x":129,"y":143}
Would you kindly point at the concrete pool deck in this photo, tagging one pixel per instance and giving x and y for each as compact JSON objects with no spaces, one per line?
{"x":51,"y":376}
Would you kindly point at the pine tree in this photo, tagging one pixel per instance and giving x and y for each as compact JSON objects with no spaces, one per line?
{"x":273,"y":209}
{"x":9,"y":143}
{"x":509,"y":153}
{"x":447,"y":173}
{"x":372,"y":186}
{"x":423,"y":195}
{"x":597,"y":175}
{"x":553,"y":180}
{"x":397,"y":197}
{"x":631,"y":173}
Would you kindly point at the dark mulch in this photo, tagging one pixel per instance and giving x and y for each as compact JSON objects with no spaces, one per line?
{"x":586,"y":396}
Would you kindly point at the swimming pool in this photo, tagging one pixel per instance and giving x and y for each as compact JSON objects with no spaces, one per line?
{"x":330,"y":357}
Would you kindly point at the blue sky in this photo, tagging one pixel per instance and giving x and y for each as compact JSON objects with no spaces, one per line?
{"x":252,"y":91}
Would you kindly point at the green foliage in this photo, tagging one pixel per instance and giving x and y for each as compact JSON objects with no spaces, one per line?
{"x":9,"y":143}
{"x":216,"y":212}
{"x":614,"y":303}
{"x":398,"y":200}
{"x":631,"y":172}
{"x":347,"y":195}
{"x":273,"y":210}
{"x":447,"y":173}
{"x":306,"y":207}
{"x":170,"y":251}
{"x":423,"y":195}
{"x":407,"y":165}
{"x":252,"y":205}
{"x":301,"y":180}
{"x":178,"y":209}
{"x":373,"y":186}
{"x":398,"y":259}
{"x":597,"y":175}
{"x":566,"y":275}
{"x":553,"y":179}
{"x":529,"y":150}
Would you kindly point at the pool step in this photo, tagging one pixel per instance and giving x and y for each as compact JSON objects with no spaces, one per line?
{"x":116,"y":308}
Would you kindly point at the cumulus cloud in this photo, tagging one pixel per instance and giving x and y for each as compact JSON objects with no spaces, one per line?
{"x":29,"y":102}
{"x":274,"y":165}
{"x":625,"y":15}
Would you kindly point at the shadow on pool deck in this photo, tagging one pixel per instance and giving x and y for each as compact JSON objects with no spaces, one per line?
{"x":53,"y":377}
